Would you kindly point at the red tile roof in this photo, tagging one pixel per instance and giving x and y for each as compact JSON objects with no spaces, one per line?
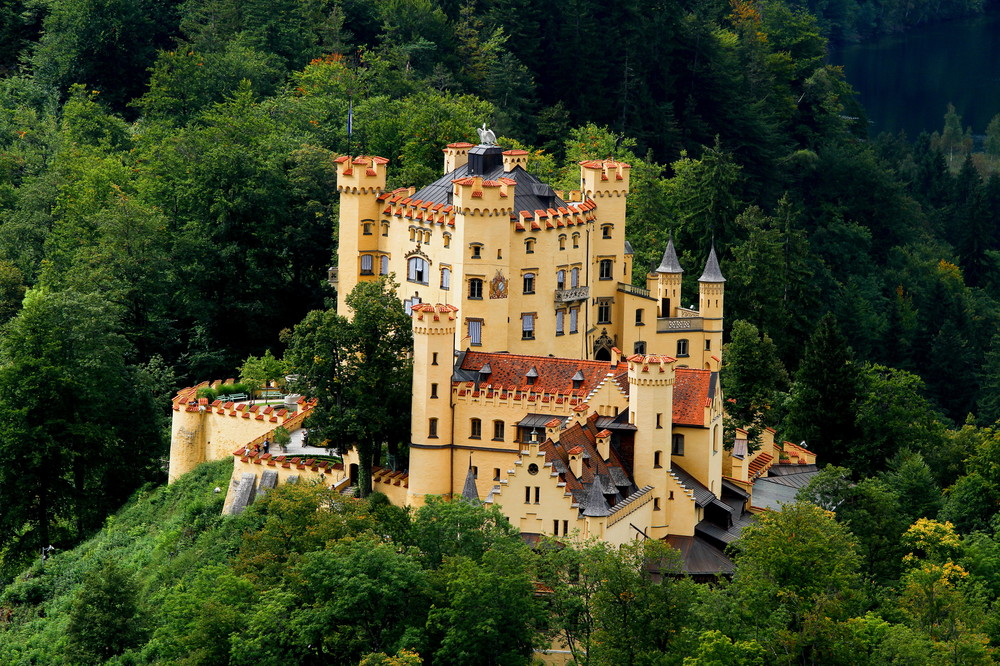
{"x":691,"y":396}
{"x":555,"y":375}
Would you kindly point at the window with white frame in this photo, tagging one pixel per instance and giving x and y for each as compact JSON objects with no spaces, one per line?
{"x":528,"y":326}
{"x":416,"y":270}
{"x":475,"y":330}
{"x":475,"y":288}
{"x":607,"y":268}
{"x":445,"y":277}
{"x":367,"y":263}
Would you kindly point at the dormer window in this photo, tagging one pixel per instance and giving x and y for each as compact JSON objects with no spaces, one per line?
{"x":578,"y":379}
{"x":532,"y":376}
{"x":485,"y":372}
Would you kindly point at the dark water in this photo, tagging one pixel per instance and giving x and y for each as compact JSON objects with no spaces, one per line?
{"x":905,"y":82}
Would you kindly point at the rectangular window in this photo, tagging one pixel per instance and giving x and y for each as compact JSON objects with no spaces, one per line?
{"x":477,"y":251}
{"x":555,"y":527}
{"x":475,"y":332}
{"x":708,"y":345}
{"x":432,"y":428}
{"x":559,"y":322}
{"x":537,"y":493}
{"x":574,"y":278}
{"x":607,"y":269}
{"x":638,"y":317}
{"x":496,"y":473}
{"x":498,"y":427}
{"x":682,"y":348}
{"x":434,"y":358}
{"x":529,"y":283}
{"x":528,"y":326}
{"x":574,"y":316}
{"x":434,"y":390}
{"x":445,"y":278}
{"x":385,"y":228}
{"x":677,"y":445}
{"x":659,"y":421}
{"x":366,"y":228}
{"x":475,"y":288}
{"x":604,"y":313}
{"x":475,"y":429}
{"x":560,"y":279}
{"x":527,"y":494}
{"x":385,"y":265}
{"x":367,"y":264}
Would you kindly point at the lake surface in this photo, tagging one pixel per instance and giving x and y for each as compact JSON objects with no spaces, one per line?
{"x":905,"y":82}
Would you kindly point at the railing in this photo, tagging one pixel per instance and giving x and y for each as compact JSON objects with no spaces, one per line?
{"x":572,"y":294}
{"x":333,"y":276}
{"x":632,"y":289}
{"x":667,"y":324}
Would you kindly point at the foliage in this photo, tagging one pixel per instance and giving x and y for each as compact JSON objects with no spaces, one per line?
{"x":105,"y":619}
{"x":261,"y":372}
{"x":344,"y":362}
{"x":754,"y":377}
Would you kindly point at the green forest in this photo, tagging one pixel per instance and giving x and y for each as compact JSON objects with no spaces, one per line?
{"x":168,"y":210}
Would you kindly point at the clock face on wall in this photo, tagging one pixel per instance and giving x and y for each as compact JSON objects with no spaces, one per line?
{"x":498,"y":286}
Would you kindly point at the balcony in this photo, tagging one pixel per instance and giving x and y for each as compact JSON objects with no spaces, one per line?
{"x":572,"y":294}
{"x":626,"y":288}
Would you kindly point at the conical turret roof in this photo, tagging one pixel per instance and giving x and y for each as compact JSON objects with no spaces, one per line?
{"x":670,"y":263}
{"x":469,"y":492}
{"x":712,"y":271}
{"x":597,"y":505}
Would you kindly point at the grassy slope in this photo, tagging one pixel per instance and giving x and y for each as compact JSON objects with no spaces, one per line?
{"x":163,"y":536}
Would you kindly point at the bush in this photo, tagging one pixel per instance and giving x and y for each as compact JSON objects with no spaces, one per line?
{"x":207,"y":392}
{"x":243,"y":387}
{"x":227,"y":389}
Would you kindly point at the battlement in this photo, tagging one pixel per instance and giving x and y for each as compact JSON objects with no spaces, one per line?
{"x":431,"y":319}
{"x":576,"y":214}
{"x":362,"y":175}
{"x":399,"y":203}
{"x":650,"y":369}
{"x":604,"y":178}
{"x":474,"y":195}
{"x":519,"y":397}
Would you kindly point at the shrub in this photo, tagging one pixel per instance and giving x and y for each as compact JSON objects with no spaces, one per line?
{"x":207,"y":392}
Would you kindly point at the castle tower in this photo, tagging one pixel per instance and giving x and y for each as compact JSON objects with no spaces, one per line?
{"x":711,"y":292}
{"x":666,"y":282}
{"x":360,"y":182}
{"x":431,"y":419}
{"x":650,"y":404}
{"x":483,"y":203}
{"x":456,"y":155}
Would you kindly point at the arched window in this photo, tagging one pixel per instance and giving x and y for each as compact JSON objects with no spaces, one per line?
{"x":367,"y":264}
{"x":384,"y":265}
{"x":432,"y":428}
{"x":529,"y":246}
{"x":656,"y":459}
{"x":416,"y":270}
{"x":447,"y":240}
{"x":606,"y":230}
{"x":475,"y":288}
{"x":529,"y":283}
{"x":446,"y":278}
{"x":562,"y":241}
{"x":576,"y":241}
{"x":560,"y":279}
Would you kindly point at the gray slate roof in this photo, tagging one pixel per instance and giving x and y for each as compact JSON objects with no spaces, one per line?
{"x":702,"y":495}
{"x":530,"y":193}
{"x":469,"y":492}
{"x":712,"y":271}
{"x":669,"y":264}
{"x":596,"y":504}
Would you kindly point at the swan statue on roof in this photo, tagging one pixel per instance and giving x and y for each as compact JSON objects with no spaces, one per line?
{"x":486,"y":136}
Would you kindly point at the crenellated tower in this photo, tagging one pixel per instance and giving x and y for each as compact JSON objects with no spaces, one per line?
{"x":360,"y":181}
{"x":650,"y":403}
{"x":431,"y":421}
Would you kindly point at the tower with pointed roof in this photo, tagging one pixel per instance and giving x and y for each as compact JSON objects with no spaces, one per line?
{"x":666,"y":282}
{"x":711,"y":298}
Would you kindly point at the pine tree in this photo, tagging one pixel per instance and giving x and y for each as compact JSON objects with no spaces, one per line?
{"x":821,"y":408}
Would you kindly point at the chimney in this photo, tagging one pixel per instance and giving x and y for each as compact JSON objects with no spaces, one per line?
{"x":604,"y":444}
{"x":576,"y":461}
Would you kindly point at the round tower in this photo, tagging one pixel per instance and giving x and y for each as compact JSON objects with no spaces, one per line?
{"x":651,"y":407}
{"x":711,"y":296}
{"x":360,"y":182}
{"x":431,"y":419}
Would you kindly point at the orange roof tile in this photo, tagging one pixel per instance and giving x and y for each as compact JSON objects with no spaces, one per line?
{"x":691,"y":389}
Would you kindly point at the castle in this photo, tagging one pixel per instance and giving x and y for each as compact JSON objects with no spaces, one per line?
{"x":521,"y":396}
